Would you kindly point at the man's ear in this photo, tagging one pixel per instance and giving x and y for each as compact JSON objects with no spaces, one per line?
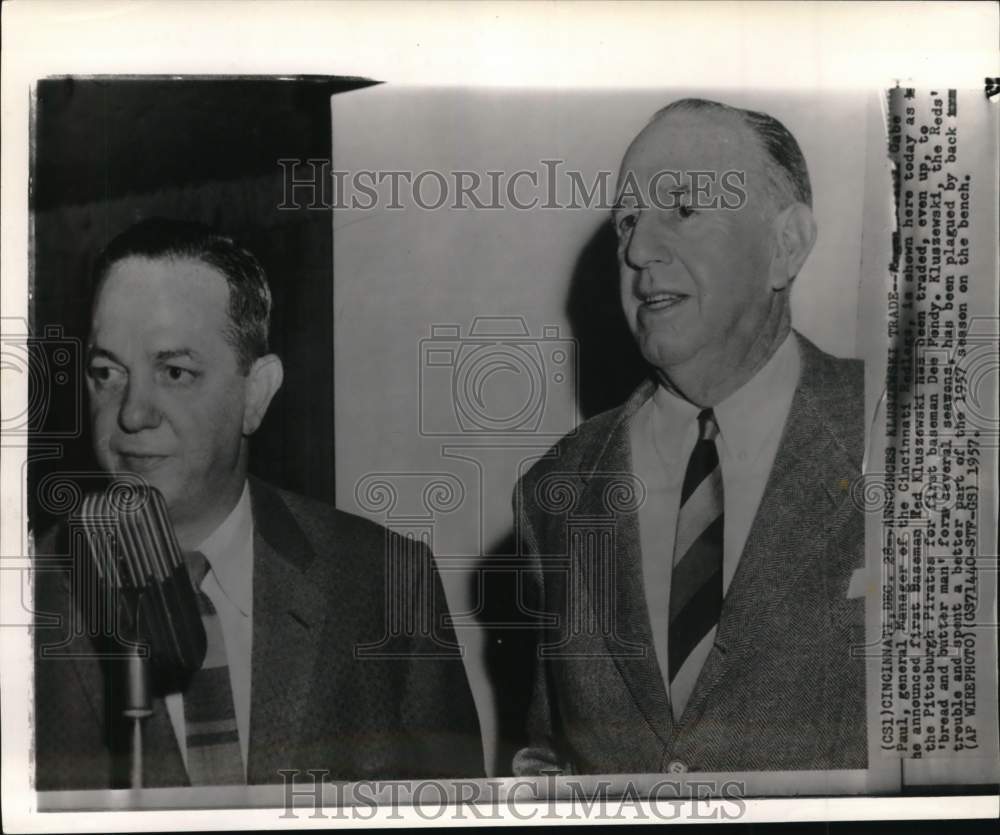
{"x":263,"y":381}
{"x":794,"y":233}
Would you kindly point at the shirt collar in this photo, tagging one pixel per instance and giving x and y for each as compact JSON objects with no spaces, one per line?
{"x":760,"y":406}
{"x":672,"y":417}
{"x":749,"y":414}
{"x":229,"y":551}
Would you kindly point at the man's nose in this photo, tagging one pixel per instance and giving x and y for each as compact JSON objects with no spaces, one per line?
{"x":138,"y":411}
{"x":646,"y":244}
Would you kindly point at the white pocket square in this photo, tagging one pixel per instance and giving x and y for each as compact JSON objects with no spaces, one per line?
{"x":856,"y":588}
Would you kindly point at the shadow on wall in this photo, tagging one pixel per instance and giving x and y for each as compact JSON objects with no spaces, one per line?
{"x":510,"y":639}
{"x":610,"y":366}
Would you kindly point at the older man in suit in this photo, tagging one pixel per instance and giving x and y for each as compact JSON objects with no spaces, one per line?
{"x":695,"y":546}
{"x":179,"y":377}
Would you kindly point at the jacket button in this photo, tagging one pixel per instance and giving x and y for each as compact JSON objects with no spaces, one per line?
{"x":676,"y":767}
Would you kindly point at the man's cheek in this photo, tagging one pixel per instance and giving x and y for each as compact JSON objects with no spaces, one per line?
{"x":101,"y":426}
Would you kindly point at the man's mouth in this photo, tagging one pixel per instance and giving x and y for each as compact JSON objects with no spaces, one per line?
{"x":663,"y":301}
{"x":140,"y":461}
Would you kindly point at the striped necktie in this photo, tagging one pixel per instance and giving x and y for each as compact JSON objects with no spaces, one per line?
{"x":213,"y":742}
{"x":696,"y":580}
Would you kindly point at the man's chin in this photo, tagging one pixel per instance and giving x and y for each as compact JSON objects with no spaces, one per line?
{"x":152,"y":471}
{"x":666,"y":353}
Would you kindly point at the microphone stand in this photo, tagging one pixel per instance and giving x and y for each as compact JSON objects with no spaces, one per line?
{"x":138,"y":706}
{"x":135,"y":555}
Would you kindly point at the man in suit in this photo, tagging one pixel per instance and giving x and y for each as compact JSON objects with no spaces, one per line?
{"x":695,"y":547}
{"x":290,"y":590}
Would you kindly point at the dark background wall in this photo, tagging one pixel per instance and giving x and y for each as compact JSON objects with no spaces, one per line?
{"x":110,"y":152}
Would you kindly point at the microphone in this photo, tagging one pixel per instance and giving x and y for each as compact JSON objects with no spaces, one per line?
{"x":136,"y":557}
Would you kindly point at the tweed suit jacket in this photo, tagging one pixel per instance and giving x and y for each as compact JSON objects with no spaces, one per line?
{"x":779,"y":689}
{"x":319,"y":590}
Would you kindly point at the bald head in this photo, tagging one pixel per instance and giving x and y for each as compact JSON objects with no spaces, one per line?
{"x":784,"y":176}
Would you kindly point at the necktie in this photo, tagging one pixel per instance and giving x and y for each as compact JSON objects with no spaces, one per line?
{"x":213,"y":742}
{"x":696,"y":580}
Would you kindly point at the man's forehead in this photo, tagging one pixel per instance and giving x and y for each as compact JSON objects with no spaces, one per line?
{"x":164,"y":303}
{"x":182,"y":279}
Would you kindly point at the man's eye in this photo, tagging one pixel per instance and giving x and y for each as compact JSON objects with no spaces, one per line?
{"x":681,"y":201}
{"x":105,"y":375}
{"x":178,"y":374}
{"x":625,"y":223}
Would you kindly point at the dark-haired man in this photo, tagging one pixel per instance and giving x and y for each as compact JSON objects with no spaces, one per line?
{"x":179,"y":377}
{"x":723,"y":640}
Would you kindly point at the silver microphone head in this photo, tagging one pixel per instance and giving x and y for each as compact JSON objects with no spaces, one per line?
{"x":134,"y":550}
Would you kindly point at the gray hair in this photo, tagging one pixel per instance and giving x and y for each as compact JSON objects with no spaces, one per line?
{"x":785,"y":171}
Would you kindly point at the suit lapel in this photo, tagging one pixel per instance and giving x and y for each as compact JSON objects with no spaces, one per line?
{"x":804,"y":492}
{"x":631,"y":641}
{"x":166,"y":767}
{"x":288,"y":611}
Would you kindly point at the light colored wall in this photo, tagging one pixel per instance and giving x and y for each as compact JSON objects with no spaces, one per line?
{"x":398,"y":272}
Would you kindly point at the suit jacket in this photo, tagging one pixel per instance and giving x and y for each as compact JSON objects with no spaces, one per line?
{"x":320,"y":588}
{"x":779,"y":689}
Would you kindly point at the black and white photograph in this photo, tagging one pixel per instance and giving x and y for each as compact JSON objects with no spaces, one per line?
{"x":421,"y":445}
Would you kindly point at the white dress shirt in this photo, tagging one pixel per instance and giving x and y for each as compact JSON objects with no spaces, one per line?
{"x":663,"y":434}
{"x":229,"y":585}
